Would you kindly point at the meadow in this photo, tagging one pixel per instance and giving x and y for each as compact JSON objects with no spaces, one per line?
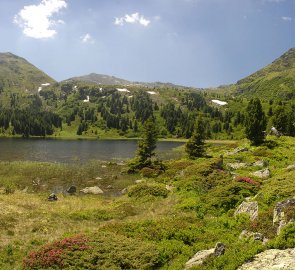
{"x":160,"y":223}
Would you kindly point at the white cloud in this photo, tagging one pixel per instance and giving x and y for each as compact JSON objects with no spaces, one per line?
{"x":36,"y":20}
{"x":134,"y":18}
{"x":87,"y":38}
{"x":286,"y":18}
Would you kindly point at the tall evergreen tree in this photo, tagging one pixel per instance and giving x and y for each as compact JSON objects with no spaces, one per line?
{"x":147,"y":145}
{"x":195,"y":147}
{"x":255,"y":122}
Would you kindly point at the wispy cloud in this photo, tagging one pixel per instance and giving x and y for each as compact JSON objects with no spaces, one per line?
{"x":87,"y":38}
{"x":286,"y":18}
{"x":134,"y":18}
{"x":36,"y":20}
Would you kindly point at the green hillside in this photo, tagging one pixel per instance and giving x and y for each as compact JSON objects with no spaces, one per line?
{"x":277,"y":80}
{"x":18,"y":73}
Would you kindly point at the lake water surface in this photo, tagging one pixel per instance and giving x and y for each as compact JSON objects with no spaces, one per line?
{"x":51,"y":150}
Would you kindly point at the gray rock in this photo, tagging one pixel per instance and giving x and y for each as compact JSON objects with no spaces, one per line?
{"x":72,"y":190}
{"x":264,"y":173}
{"x":240,"y":149}
{"x":273,"y":131}
{"x":250,"y":208}
{"x":236,"y":165}
{"x":256,"y":236}
{"x":202,"y":255}
{"x":52,"y":197}
{"x":92,"y":190}
{"x":219,"y":249}
{"x":260,"y":163}
{"x":124,"y":191}
{"x":272,"y":259}
{"x":291,"y":167}
{"x":279,"y":218}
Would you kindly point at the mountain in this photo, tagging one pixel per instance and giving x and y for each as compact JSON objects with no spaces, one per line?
{"x":18,"y":73}
{"x":276,"y":80}
{"x":94,"y":78}
{"x":102,"y":79}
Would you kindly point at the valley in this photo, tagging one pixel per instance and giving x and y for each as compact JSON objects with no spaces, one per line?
{"x":99,"y":172}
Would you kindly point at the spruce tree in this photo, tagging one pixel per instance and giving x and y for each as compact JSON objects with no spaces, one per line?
{"x":255,"y":123}
{"x":146,"y":147}
{"x":195,"y":147}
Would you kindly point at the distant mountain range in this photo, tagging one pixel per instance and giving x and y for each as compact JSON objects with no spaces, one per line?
{"x":102,"y":79}
{"x":275,"y":80}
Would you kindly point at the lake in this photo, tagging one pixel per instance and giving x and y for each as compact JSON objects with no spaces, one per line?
{"x":68,"y":151}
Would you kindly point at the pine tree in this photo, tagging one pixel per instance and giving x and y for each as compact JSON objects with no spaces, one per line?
{"x":255,"y":122}
{"x":147,"y":145}
{"x":195,"y":147}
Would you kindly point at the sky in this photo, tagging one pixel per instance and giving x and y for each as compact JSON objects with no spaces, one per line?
{"x":199,"y":43}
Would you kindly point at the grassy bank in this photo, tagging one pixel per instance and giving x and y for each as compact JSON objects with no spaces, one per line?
{"x":159,"y":224}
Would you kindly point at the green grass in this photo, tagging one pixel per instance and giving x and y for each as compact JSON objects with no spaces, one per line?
{"x":149,"y":227}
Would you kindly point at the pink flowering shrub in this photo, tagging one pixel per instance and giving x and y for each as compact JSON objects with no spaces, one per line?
{"x":51,"y":254}
{"x":247,"y":180}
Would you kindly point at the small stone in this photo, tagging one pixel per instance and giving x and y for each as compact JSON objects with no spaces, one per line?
{"x":291,"y":167}
{"x":219,"y":249}
{"x":98,"y":178}
{"x":169,"y":188}
{"x":264,"y":173}
{"x":236,"y":165}
{"x":124,"y":191}
{"x":72,"y":190}
{"x":260,"y":163}
{"x":92,"y":190}
{"x":139,"y":181}
{"x":52,"y":197}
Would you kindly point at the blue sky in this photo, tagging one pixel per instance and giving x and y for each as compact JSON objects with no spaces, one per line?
{"x":199,"y":43}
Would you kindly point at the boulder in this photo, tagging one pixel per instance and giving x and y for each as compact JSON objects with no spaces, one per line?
{"x":264,"y":173}
{"x":279,"y":218}
{"x":255,"y":235}
{"x":250,"y":208}
{"x":272,"y":259}
{"x":52,"y":197}
{"x":92,"y":190}
{"x":72,"y":190}
{"x":202,"y":255}
{"x":236,"y":165}
{"x":273,"y":131}
{"x":260,"y":163}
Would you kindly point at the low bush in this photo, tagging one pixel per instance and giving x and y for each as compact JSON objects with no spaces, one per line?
{"x":99,"y":251}
{"x":145,"y":189}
